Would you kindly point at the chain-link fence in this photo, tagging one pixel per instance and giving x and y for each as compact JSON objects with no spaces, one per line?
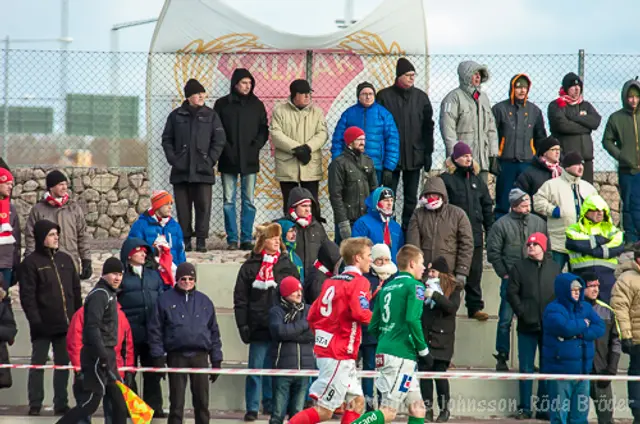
{"x":96,"y":109}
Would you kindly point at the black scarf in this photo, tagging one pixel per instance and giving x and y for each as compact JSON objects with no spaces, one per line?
{"x":291,"y":309}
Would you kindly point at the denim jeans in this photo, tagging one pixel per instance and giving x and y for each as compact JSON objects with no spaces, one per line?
{"x":561,"y":259}
{"x":259,"y":358}
{"x":289,"y":394}
{"x":7,"y":274}
{"x":505,"y":318}
{"x":630,"y":197}
{"x":528,"y":343}
{"x":248,"y":212}
{"x":569,"y":401}
{"x":368,"y":364}
{"x":509,"y":173}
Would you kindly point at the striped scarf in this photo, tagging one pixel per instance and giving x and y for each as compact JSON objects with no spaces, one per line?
{"x":265,"y":279}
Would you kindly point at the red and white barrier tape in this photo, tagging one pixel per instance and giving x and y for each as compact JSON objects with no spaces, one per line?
{"x":450,"y":375}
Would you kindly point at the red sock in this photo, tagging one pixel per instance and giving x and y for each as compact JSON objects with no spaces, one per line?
{"x":349,"y":417}
{"x":306,"y":416}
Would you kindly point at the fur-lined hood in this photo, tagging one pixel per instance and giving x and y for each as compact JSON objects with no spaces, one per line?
{"x":451,"y":167}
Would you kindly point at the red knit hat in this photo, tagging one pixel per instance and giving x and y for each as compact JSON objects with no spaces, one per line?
{"x":5,"y":176}
{"x":160,"y":198}
{"x":289,"y":285}
{"x":136,"y":250}
{"x":351,"y":134}
{"x":539,"y":239}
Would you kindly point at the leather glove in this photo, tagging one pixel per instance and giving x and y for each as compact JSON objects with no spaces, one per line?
{"x":603,"y":384}
{"x":461,"y":278}
{"x":245,"y":334}
{"x":387,"y":178}
{"x":556,"y":212}
{"x":345,"y":230}
{"x":494,"y":165}
{"x":214,"y":377}
{"x":426,"y":361}
{"x":303,"y":154}
{"x":129,"y":379}
{"x":86,"y":269}
{"x":427,"y":163}
{"x":159,"y":363}
{"x":627,"y":346}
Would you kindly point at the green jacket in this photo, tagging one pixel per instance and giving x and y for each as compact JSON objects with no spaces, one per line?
{"x":621,"y":134}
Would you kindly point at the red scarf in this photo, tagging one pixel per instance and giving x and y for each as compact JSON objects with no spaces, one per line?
{"x":166,"y":267}
{"x":265,"y":279}
{"x":161,"y":221}
{"x":323,"y":269}
{"x":303,"y":222}
{"x":385,"y":217}
{"x":555,"y":168}
{"x":565,"y":99}
{"x":56,"y":203}
{"x":6,"y":230}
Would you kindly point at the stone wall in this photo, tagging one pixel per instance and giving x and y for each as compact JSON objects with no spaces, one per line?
{"x":112,"y":198}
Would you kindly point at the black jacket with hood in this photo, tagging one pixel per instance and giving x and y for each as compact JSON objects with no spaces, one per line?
{"x":329,"y":257}
{"x":49,"y":286}
{"x":520,"y":126}
{"x":621,"y":135}
{"x":244,"y":119}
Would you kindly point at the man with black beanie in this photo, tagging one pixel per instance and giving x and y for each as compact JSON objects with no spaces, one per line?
{"x":98,"y":357}
{"x":183,"y":333}
{"x":193,"y":140}
{"x":383,"y":141}
{"x":572,"y":119}
{"x":244,"y":118}
{"x":413,"y":114}
{"x":544,"y":166}
{"x":56,"y":206}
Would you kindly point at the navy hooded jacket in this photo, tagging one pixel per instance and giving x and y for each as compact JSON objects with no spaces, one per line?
{"x":567,"y":341}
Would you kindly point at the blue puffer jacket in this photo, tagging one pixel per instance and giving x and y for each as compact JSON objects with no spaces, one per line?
{"x":138,"y":296}
{"x":148,"y":229}
{"x":567,"y":341}
{"x":185,"y":322}
{"x":382,"y":139}
{"x":372,"y":226}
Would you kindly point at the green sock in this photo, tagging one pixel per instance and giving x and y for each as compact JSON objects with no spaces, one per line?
{"x":415,"y":420}
{"x":372,"y":417}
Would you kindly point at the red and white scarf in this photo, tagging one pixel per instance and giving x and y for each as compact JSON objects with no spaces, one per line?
{"x":166,"y":267}
{"x":565,"y":99}
{"x":323,"y":269}
{"x":162,"y":221}
{"x":265,"y":279}
{"x":385,"y":216}
{"x":56,"y":202}
{"x":6,"y":230}
{"x":555,"y":168}
{"x":430,"y":203}
{"x":303,"y":222}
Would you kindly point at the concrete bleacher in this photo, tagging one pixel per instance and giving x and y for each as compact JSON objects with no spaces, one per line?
{"x":475,"y":343}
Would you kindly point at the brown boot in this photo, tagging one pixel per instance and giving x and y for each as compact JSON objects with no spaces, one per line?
{"x":480,"y":316}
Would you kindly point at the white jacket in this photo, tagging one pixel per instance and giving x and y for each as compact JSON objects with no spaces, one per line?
{"x":559,"y":192}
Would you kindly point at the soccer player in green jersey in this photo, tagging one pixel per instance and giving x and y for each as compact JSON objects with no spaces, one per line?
{"x":396,"y":324}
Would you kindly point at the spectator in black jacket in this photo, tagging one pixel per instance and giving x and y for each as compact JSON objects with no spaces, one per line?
{"x":529,"y":291}
{"x":50,"y":295}
{"x":8,"y":331}
{"x":544,"y":166}
{"x":412,"y":111}
{"x":141,"y":286}
{"x":253,"y":296}
{"x":467,"y":190}
{"x":98,"y":362}
{"x":608,"y":350}
{"x":10,"y":235}
{"x":184,"y":332}
{"x":244,"y":119}
{"x":193,"y":140}
{"x":292,"y":349}
{"x":352,"y":177}
{"x":323,"y":267}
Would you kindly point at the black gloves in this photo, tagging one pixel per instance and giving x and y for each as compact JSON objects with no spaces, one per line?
{"x":627,"y":346}
{"x":129,"y":379}
{"x":245,"y":334}
{"x":302,"y":153}
{"x":427,"y":163}
{"x":387,"y":178}
{"x":494,"y":165}
{"x":214,"y":377}
{"x":603,"y":384}
{"x":86,"y":269}
{"x":426,"y":361}
{"x":159,"y":363}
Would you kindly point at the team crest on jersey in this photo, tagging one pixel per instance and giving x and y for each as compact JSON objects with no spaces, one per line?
{"x":405,"y":385}
{"x":364,"y":302}
{"x":420,"y":292}
{"x":379,"y":360}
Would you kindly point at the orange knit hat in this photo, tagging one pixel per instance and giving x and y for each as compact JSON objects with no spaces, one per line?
{"x":159,"y":199}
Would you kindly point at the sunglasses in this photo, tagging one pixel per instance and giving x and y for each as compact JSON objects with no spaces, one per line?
{"x":187,"y":279}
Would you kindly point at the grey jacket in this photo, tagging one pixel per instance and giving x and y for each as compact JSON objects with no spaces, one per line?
{"x":462,"y":118}
{"x":506,"y":242}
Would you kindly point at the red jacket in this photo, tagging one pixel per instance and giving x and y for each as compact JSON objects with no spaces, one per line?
{"x":124,"y":349}
{"x":337,"y":315}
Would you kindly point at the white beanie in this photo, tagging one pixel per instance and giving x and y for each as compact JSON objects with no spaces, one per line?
{"x":380,"y":250}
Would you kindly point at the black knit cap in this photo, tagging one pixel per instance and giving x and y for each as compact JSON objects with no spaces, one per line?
{"x":54,"y":178}
{"x":403,"y":66}
{"x":570,"y":80}
{"x":589,"y":276}
{"x":545,"y":144}
{"x":185,"y":269}
{"x":192,"y":87}
{"x":572,"y":158}
{"x":364,"y":85}
{"x":112,"y":265}
{"x":440,"y":265}
{"x":386,"y":193}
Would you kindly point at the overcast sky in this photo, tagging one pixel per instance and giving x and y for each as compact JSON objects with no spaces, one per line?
{"x":454,"y":26}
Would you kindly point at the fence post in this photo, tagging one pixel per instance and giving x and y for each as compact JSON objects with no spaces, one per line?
{"x":5,"y":132}
{"x":309,"y":66}
{"x":581,"y":64}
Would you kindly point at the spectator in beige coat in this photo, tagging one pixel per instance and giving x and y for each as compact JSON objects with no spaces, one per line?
{"x":298,"y":131}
